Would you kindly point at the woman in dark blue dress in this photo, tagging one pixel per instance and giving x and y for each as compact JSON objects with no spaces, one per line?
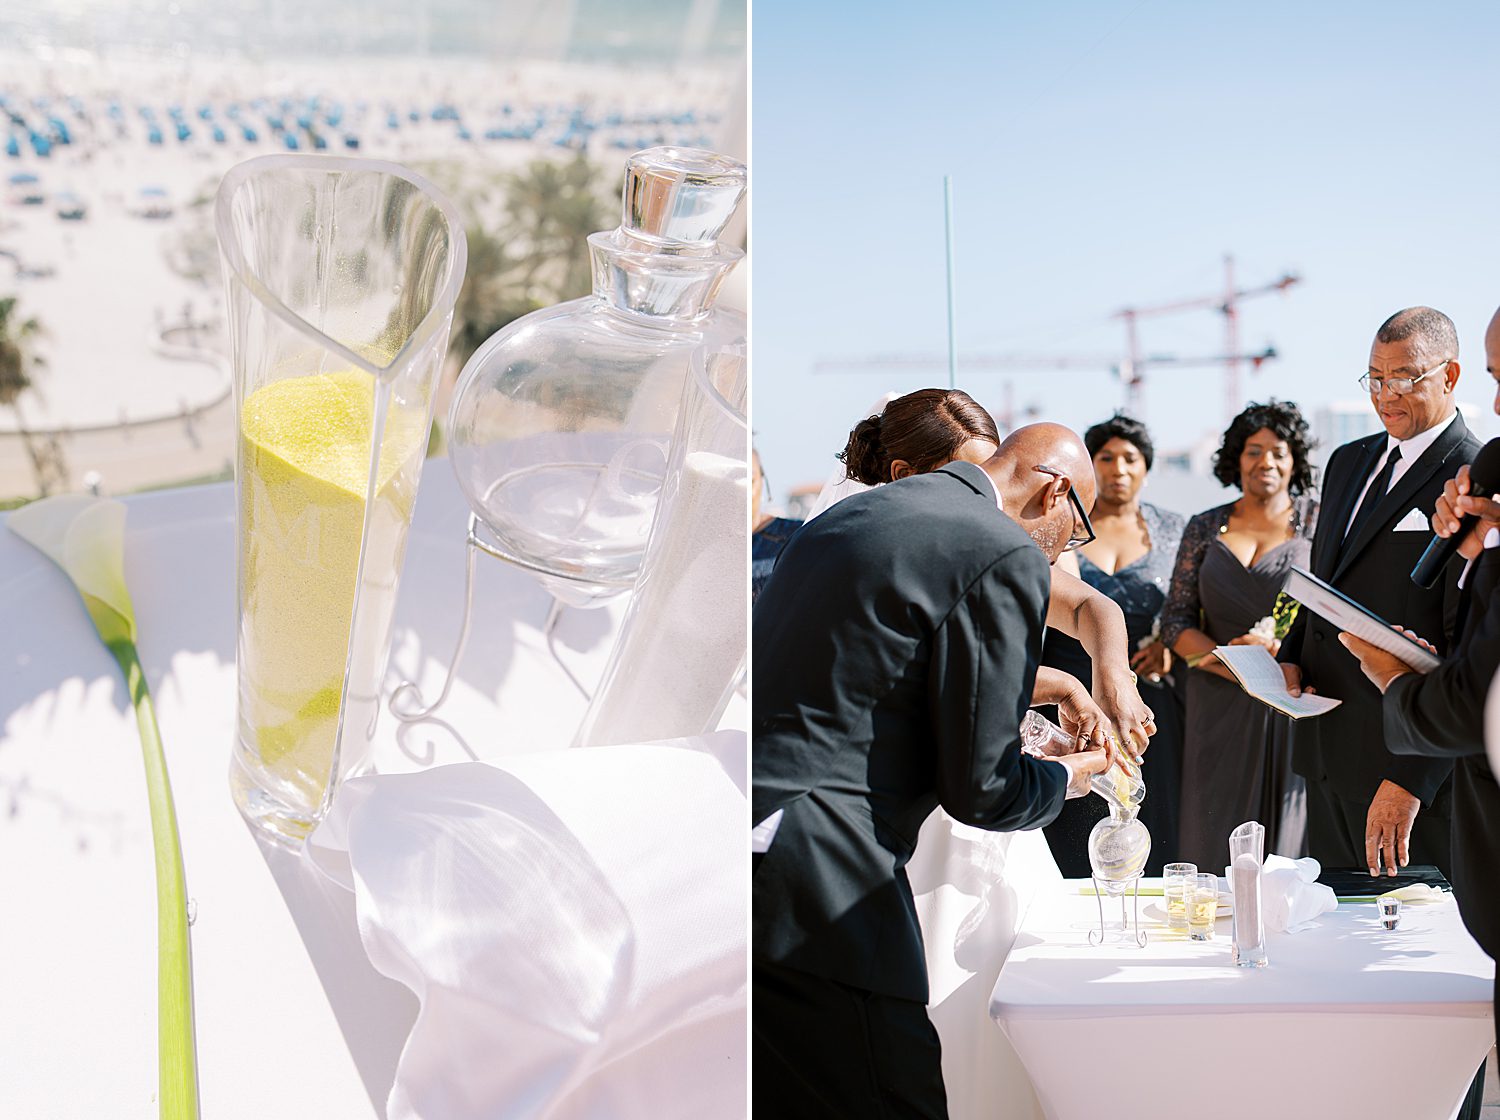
{"x":768,"y":535}
{"x":1130,"y":560}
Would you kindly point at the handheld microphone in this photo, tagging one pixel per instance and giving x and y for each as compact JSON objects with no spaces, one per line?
{"x":1484,"y":480}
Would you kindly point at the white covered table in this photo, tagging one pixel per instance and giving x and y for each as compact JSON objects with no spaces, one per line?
{"x":291,"y":1017}
{"x":1349,"y":1019}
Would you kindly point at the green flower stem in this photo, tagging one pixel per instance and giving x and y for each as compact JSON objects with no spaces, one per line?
{"x":177,"y":1091}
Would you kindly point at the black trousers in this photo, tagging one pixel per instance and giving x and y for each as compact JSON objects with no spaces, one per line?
{"x":1336,"y":831}
{"x":825,"y":1051}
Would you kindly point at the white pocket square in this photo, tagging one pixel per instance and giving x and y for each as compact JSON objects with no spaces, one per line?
{"x":1415,"y":521}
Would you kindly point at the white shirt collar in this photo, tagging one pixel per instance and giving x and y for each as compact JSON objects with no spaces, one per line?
{"x":1414,"y":448}
{"x":998,"y":503}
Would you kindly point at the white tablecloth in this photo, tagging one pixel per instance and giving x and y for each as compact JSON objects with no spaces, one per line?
{"x":1349,"y":1019}
{"x":291,"y":1017}
{"x":972,"y":888}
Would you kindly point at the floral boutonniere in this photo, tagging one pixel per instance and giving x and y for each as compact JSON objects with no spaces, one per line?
{"x":1276,"y":625}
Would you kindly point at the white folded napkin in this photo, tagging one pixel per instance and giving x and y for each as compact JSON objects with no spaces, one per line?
{"x":572,"y":922}
{"x":1291,"y":898}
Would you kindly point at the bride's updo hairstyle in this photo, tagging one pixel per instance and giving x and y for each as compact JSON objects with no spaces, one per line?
{"x":924,"y":429}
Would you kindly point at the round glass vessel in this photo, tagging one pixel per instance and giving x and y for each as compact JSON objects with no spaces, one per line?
{"x":561,"y":423}
{"x":1119,"y":846}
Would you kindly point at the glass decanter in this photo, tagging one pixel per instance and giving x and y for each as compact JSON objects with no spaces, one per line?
{"x":561,"y":423}
{"x":1119,"y":846}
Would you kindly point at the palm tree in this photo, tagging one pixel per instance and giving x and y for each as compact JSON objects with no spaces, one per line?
{"x":534,"y":255}
{"x":551,"y":210}
{"x":18,"y":362}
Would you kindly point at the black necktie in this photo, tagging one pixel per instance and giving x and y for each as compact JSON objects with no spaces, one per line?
{"x":1377,"y":491}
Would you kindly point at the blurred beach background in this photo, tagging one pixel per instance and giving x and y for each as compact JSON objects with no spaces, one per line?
{"x":118,"y":119}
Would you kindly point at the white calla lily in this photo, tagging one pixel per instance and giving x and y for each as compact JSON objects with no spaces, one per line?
{"x":85,"y":537}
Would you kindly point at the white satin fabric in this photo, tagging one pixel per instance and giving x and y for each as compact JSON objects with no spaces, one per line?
{"x":573,"y":924}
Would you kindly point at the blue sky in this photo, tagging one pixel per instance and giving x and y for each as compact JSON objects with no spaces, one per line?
{"x":1106,"y":154}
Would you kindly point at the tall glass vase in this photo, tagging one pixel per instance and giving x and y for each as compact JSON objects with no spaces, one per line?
{"x":682,"y":643}
{"x":341,"y":277}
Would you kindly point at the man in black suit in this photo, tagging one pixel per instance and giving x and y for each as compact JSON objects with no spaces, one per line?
{"x":1365,"y":805}
{"x":1441,"y":714}
{"x":896,"y":649}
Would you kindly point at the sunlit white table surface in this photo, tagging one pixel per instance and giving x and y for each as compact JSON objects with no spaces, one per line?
{"x":1348,"y":1019}
{"x":291,"y":1017}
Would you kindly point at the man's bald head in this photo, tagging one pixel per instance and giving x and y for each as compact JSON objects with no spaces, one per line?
{"x":1033,"y":470}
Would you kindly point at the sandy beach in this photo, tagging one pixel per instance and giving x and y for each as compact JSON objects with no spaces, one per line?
{"x":136,"y":391}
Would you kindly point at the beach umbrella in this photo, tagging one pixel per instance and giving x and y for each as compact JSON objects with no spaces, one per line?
{"x":20,"y":178}
{"x":218,"y":135}
{"x":290,"y":140}
{"x":12,"y":147}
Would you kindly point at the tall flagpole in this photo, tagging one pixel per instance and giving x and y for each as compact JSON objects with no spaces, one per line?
{"x":948,"y":230}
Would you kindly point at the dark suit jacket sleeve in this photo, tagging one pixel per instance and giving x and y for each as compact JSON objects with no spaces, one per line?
{"x":981,"y":675}
{"x":1441,"y":714}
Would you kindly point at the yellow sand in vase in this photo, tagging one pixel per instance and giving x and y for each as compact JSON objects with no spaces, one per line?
{"x":304,"y":464}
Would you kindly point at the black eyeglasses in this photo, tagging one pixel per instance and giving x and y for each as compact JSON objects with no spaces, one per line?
{"x":1077,"y":540}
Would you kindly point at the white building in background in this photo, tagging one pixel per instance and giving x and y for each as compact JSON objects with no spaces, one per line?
{"x":1336,"y":424}
{"x":1341,"y":422}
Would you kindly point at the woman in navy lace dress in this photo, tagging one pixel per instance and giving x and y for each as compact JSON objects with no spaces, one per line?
{"x":1130,"y":560}
{"x":1232,"y":564}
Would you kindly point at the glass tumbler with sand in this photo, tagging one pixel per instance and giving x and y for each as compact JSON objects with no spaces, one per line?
{"x":1202,"y":904}
{"x":341,"y":277}
{"x":1174,"y":881}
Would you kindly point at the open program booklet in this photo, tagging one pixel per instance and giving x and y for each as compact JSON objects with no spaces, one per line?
{"x":1357,"y":619}
{"x":1260,"y":676}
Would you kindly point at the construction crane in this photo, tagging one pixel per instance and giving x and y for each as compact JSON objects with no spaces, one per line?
{"x":1227,"y":303}
{"x":1130,"y":369}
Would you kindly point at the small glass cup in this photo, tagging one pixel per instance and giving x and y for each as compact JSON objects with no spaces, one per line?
{"x":1174,"y":880}
{"x":1390,"y":911}
{"x":1202,"y":904}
